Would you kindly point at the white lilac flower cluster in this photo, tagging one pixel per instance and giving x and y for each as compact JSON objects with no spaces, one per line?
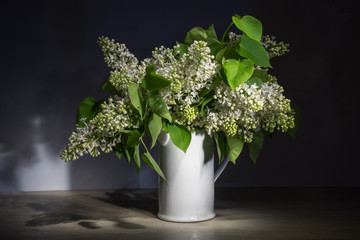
{"x":234,"y":112}
{"x":272,"y":47}
{"x":103,"y":130}
{"x":125,"y":65}
{"x":190,"y":74}
{"x":249,"y":109}
{"x":234,"y":39}
{"x":277,"y":113}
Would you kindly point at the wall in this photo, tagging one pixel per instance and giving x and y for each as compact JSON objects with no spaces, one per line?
{"x":50,"y":61}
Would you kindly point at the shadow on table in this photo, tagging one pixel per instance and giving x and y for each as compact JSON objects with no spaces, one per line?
{"x":143,"y":201}
{"x":88,"y":213}
{"x":54,"y":211}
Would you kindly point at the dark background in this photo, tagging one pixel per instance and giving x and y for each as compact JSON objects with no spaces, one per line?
{"x":50,"y":62}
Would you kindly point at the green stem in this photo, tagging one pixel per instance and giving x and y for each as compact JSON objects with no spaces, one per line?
{"x":112,"y":138}
{"x":144,"y":145}
{"x":214,"y":40}
{"x":226,"y":31}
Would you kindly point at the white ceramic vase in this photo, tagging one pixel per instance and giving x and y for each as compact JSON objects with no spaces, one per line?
{"x":188,"y":193}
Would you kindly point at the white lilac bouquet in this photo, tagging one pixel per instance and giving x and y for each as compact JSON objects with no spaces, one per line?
{"x":221,"y":86}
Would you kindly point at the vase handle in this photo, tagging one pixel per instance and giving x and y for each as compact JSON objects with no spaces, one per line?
{"x":163,"y":138}
{"x":221,"y":168}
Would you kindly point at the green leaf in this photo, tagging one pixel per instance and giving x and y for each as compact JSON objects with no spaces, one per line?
{"x":216,"y":81}
{"x":180,"y":136}
{"x":237,"y":71}
{"x":212,"y":41}
{"x":158,"y":106}
{"x":227,"y":53}
{"x":153,"y":81}
{"x":221,"y":74}
{"x":253,"y":50}
{"x":135,"y":156}
{"x":117,"y":150}
{"x":133,"y":138}
{"x":209,"y":36}
{"x":235,"y":147}
{"x":118,"y":154}
{"x":292,"y":131}
{"x":164,"y":126}
{"x":212,"y":32}
{"x":256,"y":145}
{"x":96,"y":108}
{"x":126,"y":152}
{"x":149,"y":160}
{"x":197,"y":33}
{"x":136,"y":98}
{"x":206,"y":101}
{"x":255,"y":80}
{"x":124,"y":131}
{"x":183,"y":48}
{"x":155,"y":125}
{"x":221,"y":147}
{"x":249,"y":25}
{"x":214,"y":46}
{"x":110,"y":88}
{"x":85,"y":110}
{"x":262,"y":74}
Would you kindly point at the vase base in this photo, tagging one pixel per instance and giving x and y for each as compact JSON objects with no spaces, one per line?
{"x":185,"y":219}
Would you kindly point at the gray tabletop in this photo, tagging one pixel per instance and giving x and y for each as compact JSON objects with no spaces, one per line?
{"x":242,"y":213}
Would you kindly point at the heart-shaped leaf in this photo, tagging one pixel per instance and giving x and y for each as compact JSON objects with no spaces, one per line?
{"x":256,"y":145}
{"x":235,"y":147}
{"x":221,"y":146}
{"x":85,"y":110}
{"x":249,"y":25}
{"x":183,"y":48}
{"x":135,"y":156}
{"x":136,"y":98}
{"x":212,"y":32}
{"x":227,"y":53}
{"x":196,"y":34}
{"x":158,"y":106}
{"x":153,"y":81}
{"x":254,"y":80}
{"x":237,"y":71}
{"x":155,"y":125}
{"x":133,"y":138}
{"x":110,"y":88}
{"x":253,"y":50}
{"x":180,"y":136}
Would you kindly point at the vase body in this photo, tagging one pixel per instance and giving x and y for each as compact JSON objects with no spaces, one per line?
{"x":188,"y":193}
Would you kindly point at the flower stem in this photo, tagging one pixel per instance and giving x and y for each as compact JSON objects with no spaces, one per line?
{"x":144,"y":145}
